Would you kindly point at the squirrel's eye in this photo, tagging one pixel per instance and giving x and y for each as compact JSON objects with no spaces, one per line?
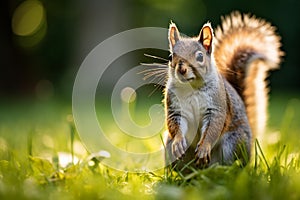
{"x":199,"y":56}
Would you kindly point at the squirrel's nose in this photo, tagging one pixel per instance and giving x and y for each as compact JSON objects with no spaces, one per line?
{"x":182,"y":70}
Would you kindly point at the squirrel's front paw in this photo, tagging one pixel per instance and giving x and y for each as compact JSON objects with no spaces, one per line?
{"x":179,"y":146}
{"x":202,"y":154}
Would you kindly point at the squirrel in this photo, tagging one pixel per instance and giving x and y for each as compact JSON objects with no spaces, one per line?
{"x":215,"y":95}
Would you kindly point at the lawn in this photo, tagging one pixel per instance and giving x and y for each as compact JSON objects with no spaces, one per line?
{"x":41,"y":157}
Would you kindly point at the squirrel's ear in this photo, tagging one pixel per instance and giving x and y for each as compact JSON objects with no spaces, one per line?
{"x":174,"y":35}
{"x":206,"y":37}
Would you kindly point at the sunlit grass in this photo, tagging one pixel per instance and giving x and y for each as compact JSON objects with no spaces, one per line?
{"x":41,"y":157}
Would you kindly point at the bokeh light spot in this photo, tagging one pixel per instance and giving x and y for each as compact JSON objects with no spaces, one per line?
{"x":128,"y":95}
{"x":44,"y":89}
{"x":28,"y":18}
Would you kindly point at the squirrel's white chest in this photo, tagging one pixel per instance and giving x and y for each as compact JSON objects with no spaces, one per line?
{"x":192,"y":104}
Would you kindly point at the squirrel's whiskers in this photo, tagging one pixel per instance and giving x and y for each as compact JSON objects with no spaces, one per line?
{"x":157,"y":72}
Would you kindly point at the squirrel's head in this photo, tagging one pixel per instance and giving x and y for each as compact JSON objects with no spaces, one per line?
{"x":190,"y":59}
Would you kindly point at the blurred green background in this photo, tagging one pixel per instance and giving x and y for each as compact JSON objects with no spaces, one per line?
{"x":43,"y":42}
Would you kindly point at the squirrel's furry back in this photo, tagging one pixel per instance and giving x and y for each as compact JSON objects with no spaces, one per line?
{"x":245,"y":49}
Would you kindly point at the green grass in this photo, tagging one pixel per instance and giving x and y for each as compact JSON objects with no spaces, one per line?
{"x":35,"y":137}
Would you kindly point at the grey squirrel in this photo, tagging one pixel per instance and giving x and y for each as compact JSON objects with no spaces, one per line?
{"x":215,"y":96}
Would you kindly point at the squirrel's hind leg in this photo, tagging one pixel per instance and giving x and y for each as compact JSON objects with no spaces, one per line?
{"x":234,"y":146}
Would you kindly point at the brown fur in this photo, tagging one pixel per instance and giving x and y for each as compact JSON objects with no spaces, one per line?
{"x":246,"y":48}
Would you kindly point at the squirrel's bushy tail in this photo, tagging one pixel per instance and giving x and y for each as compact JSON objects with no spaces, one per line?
{"x":246,"y":48}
